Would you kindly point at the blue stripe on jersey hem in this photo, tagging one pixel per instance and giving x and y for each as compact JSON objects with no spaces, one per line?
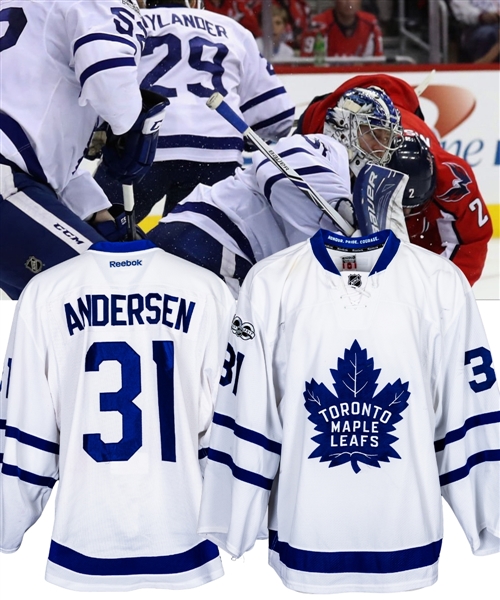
{"x":200,"y":141}
{"x":28,"y":477}
{"x":262,"y":98}
{"x":104,"y":65}
{"x":18,"y":137}
{"x":472,"y":461}
{"x":470,"y":423}
{"x":31,"y":440}
{"x":238,"y":472}
{"x":222,"y":220}
{"x":138,"y":565}
{"x":106,"y":37}
{"x":276,"y":119}
{"x":247,"y":434}
{"x":122,"y":247}
{"x":354,"y":562}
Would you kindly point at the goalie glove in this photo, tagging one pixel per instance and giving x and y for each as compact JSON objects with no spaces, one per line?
{"x":129,"y":156}
{"x":378,"y":201}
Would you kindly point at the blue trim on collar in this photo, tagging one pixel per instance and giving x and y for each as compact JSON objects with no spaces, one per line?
{"x":122,"y":247}
{"x":386,"y":237}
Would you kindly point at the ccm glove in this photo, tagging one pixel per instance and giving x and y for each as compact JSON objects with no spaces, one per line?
{"x":129,"y":156}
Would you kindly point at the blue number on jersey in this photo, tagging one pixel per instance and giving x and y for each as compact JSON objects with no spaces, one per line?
{"x":483,"y":368}
{"x":228,"y":366}
{"x":16,"y":20}
{"x":174,"y":56}
{"x":122,"y":401}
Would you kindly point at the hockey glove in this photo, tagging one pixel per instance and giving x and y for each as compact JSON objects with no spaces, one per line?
{"x":377,"y":198}
{"x":115,"y":230}
{"x":129,"y":156}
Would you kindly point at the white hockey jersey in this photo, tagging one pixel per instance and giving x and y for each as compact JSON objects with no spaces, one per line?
{"x":358,"y":388}
{"x":109,"y":383}
{"x":191,"y":53}
{"x":75,"y":60}
{"x":266,"y":211}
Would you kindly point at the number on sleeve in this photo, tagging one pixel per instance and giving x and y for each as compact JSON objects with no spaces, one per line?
{"x":229,"y":363}
{"x":484,"y":369}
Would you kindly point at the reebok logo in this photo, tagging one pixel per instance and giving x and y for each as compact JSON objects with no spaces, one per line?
{"x":125,"y":263}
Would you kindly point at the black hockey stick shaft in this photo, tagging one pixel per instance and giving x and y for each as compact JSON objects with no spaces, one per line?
{"x":217,"y":102}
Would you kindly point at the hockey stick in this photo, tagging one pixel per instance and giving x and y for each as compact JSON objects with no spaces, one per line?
{"x":424,"y":84}
{"x":128,"y":205}
{"x":217,"y":102}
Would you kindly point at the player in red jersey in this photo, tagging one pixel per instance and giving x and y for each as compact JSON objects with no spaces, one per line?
{"x":455,"y":221}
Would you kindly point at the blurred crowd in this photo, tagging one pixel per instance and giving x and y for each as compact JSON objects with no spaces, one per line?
{"x":361,"y":28}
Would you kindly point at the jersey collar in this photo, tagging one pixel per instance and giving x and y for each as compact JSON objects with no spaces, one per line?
{"x":114,"y":247}
{"x":324,"y":237}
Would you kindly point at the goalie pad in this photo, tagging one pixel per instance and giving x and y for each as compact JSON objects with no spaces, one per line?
{"x":129,"y":156}
{"x":378,"y":201}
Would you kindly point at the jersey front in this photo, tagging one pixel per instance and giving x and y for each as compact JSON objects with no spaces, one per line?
{"x":358,"y":389}
{"x":124,"y":345}
{"x":190,"y":54}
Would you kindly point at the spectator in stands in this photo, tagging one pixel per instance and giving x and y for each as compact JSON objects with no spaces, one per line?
{"x":298,"y":15}
{"x":479,"y":40}
{"x":349,"y":31}
{"x":238,"y":10}
{"x":281,"y":51}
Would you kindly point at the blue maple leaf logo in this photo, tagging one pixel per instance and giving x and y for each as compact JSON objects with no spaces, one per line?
{"x":355,"y":423}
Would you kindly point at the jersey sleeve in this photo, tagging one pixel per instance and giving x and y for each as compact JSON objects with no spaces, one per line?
{"x":30,"y":434}
{"x":265,"y":105}
{"x":245,"y":444}
{"x":106,"y":48}
{"x":467,"y":434}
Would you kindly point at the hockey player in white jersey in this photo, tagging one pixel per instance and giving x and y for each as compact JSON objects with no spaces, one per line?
{"x":188,"y":55}
{"x":124,"y":345}
{"x":64,"y":65}
{"x":358,"y":389}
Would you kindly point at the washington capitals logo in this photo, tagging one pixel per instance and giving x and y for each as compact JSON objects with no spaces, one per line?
{"x":460,"y":184}
{"x":354,"y":424}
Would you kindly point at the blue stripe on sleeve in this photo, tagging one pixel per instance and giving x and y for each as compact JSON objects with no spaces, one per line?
{"x":247,"y":434}
{"x":201,"y":554}
{"x":222,"y":221}
{"x":472,"y":461}
{"x":28,"y":477}
{"x":470,"y":423}
{"x":355,"y":562}
{"x":284,"y":154}
{"x":238,"y":472}
{"x":3,"y":423}
{"x":275,"y":119}
{"x":31,"y":440}
{"x":106,"y":37}
{"x":104,"y":65}
{"x":262,"y":98}
{"x":202,"y":453}
{"x":304,"y":171}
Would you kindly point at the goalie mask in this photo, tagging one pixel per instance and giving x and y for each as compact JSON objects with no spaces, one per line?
{"x":415,"y":159}
{"x":368,"y":124}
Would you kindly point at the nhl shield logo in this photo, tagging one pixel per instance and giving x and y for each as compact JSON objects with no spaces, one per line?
{"x":33,"y":264}
{"x":355,"y":423}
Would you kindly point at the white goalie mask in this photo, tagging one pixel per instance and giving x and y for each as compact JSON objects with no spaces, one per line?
{"x":368,"y":124}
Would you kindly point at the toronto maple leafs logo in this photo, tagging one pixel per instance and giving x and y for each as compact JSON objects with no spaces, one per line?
{"x":354,"y":423}
{"x":459,"y":185}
